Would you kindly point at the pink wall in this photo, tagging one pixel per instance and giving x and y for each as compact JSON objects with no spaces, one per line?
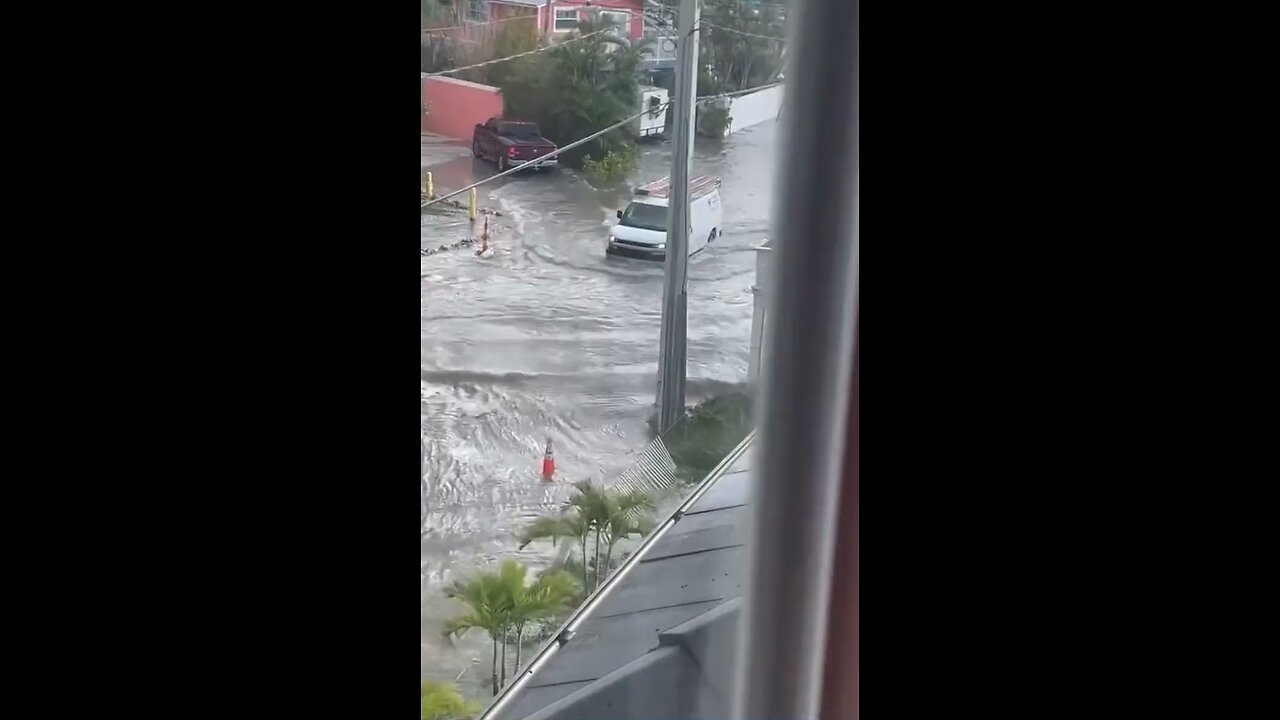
{"x":502,"y":11}
{"x":455,"y":107}
{"x":636,"y":29}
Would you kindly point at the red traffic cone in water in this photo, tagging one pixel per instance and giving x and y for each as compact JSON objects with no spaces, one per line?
{"x":548,"y":463}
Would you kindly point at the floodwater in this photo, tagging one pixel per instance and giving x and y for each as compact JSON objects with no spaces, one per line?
{"x":550,"y":339}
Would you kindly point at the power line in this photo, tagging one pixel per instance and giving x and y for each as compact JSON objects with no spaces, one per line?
{"x":548,"y":156}
{"x":591,"y":137}
{"x":703,"y":98}
{"x":743,"y":32}
{"x":517,"y":55}
{"x":472,"y":24}
{"x":664,"y":29}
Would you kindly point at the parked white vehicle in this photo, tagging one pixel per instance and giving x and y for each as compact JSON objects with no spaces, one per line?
{"x":641,"y":231}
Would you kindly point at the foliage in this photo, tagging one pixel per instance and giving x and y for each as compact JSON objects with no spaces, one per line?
{"x":578,"y":89}
{"x":614,"y":167}
{"x":440,"y":13}
{"x":595,"y":517}
{"x":503,"y":603}
{"x":441,"y":701}
{"x":713,"y":121}
{"x":515,"y":37}
{"x":705,"y":437}
{"x":739,"y":61}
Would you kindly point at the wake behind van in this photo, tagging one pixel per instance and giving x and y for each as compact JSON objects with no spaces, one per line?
{"x":641,"y":231}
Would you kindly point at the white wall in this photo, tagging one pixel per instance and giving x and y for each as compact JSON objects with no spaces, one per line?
{"x":761,"y":290}
{"x":748,"y":110}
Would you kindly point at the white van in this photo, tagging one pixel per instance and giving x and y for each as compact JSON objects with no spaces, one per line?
{"x":641,"y":231}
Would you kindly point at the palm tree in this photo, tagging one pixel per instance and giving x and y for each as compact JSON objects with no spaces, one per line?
{"x":592,"y":505}
{"x":625,"y":518}
{"x":489,"y":610}
{"x":511,"y":587}
{"x":597,"y":515}
{"x":501,"y":603}
{"x":740,"y":61}
{"x":569,"y":526}
{"x":551,"y":593}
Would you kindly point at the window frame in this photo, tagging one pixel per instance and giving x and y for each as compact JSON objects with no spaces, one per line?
{"x":556,"y":19}
{"x":624,"y":26}
{"x":478,"y":11}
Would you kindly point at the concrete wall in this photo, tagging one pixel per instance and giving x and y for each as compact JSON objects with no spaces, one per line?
{"x":759,"y":310}
{"x":454,"y":107}
{"x":748,"y":110}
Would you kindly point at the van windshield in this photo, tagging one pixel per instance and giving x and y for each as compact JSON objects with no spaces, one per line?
{"x":642,"y":215}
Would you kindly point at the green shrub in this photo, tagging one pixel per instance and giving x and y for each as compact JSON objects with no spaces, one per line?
{"x":441,"y":701}
{"x":705,"y":437}
{"x":613,"y":168}
{"x":713,"y":121}
{"x":575,"y":90}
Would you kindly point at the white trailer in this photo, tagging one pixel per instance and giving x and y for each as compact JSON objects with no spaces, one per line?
{"x":651,"y":124}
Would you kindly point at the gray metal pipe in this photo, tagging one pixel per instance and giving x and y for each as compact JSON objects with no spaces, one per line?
{"x":806,"y":370}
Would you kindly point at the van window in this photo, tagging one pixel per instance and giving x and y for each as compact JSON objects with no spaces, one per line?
{"x":642,"y":215}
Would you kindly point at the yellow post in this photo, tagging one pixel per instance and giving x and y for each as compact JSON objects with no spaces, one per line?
{"x":471,"y":206}
{"x":431,"y":192}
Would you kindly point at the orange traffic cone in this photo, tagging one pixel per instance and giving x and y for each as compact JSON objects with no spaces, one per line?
{"x":548,"y":463}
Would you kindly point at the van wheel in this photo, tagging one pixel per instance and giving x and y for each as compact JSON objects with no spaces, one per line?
{"x":475,"y":149}
{"x":712,"y":236}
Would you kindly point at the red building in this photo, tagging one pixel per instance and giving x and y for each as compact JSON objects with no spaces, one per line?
{"x":558,"y":17}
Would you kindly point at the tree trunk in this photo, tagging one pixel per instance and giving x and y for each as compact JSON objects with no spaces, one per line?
{"x":608,"y":556}
{"x":504,"y":658}
{"x":597,"y":558}
{"x":586,"y":587}
{"x":515,"y":671}
{"x":495,"y":665}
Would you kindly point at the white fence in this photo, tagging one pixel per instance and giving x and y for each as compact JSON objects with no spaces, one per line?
{"x":747,"y":110}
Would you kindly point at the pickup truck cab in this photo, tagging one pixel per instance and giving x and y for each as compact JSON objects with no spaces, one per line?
{"x":510,"y":143}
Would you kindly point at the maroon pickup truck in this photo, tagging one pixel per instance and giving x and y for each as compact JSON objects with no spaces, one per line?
{"x":512,"y":142}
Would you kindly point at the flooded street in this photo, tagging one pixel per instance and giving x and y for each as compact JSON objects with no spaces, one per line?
{"x":551,"y":339}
